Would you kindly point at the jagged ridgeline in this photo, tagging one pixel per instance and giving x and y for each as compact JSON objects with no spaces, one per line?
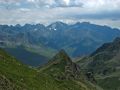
{"x":106,"y":59}
{"x":59,"y":74}
{"x":105,"y":64}
{"x":62,"y":67}
{"x":77,"y":39}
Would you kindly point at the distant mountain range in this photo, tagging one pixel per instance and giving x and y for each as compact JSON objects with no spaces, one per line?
{"x":78,"y":39}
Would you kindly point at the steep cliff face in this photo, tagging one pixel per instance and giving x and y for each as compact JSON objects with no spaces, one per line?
{"x":5,"y":84}
{"x":62,"y":66}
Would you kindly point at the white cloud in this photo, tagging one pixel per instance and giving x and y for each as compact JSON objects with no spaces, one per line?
{"x":98,"y":4}
{"x":67,"y":2}
{"x":24,"y":9}
{"x":31,"y":0}
{"x":44,"y":11}
{"x":9,"y":1}
{"x":78,"y":3}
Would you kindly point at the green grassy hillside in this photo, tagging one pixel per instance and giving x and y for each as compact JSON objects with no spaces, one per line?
{"x":16,"y":76}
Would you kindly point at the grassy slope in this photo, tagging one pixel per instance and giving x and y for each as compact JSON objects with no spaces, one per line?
{"x":110,"y":81}
{"x":20,"y":77}
{"x":105,"y":64}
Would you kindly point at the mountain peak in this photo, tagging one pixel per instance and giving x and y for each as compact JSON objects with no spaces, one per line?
{"x":58,"y":22}
{"x":17,"y":25}
{"x":62,"y":67}
{"x":61,"y":56}
{"x":78,"y":23}
{"x":62,"y":53}
{"x":57,"y":26}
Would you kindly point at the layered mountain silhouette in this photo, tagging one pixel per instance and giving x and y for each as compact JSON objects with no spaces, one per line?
{"x":59,"y":74}
{"x":100,"y":70}
{"x":77,"y":39}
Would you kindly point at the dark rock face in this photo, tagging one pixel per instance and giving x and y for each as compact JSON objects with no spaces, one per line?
{"x":90,"y":77}
{"x":62,"y":64}
{"x":105,"y":59}
{"x":72,"y":70}
{"x":5,"y":84}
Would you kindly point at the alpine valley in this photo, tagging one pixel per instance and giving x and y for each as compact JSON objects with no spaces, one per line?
{"x":41,"y":42}
{"x":60,"y":56}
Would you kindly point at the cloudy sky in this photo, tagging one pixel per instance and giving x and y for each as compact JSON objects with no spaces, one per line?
{"x":104,"y":12}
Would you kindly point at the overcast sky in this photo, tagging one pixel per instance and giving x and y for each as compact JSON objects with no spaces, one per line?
{"x":105,"y":12}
